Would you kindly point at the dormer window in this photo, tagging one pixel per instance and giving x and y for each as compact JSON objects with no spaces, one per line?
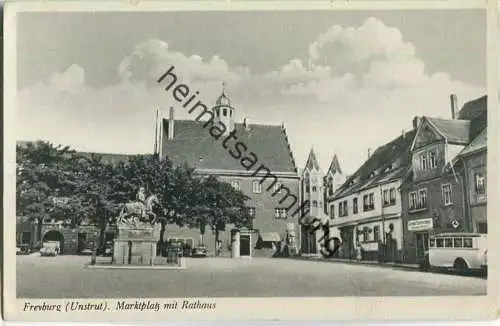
{"x":224,"y":112}
{"x":428,"y":160}
{"x":371,"y":174}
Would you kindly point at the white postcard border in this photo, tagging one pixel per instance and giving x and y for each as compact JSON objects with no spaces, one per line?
{"x":338,"y":308}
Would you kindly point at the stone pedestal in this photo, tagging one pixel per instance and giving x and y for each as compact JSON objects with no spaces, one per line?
{"x":135,"y":245}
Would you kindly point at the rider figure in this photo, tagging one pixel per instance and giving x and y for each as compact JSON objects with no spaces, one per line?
{"x":141,"y":198}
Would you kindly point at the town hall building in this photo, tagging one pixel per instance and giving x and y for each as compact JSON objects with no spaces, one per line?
{"x":273,"y":190}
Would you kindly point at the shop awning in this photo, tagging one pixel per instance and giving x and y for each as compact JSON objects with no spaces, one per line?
{"x":270,"y":237}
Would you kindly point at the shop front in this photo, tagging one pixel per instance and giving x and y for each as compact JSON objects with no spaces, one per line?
{"x":417,"y":240}
{"x":347,"y":248}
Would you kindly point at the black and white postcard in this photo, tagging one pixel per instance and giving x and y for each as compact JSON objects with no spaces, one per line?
{"x":250,"y":160}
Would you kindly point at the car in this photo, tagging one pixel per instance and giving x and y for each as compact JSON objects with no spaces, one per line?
{"x":50,"y":248}
{"x":23,"y":249}
{"x":199,"y":251}
{"x":106,"y":250}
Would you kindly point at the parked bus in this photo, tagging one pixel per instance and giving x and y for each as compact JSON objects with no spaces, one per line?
{"x":462,"y":252}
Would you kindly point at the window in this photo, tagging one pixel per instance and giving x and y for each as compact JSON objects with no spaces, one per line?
{"x":385,"y":195}
{"x":458,"y":242}
{"x":467,"y":242}
{"x":365,"y":234}
{"x":428,"y":160}
{"x":315,"y":203}
{"x":330,"y":186}
{"x":257,"y":187}
{"x":376,"y":233}
{"x":413,"y":200}
{"x":482,"y":227}
{"x":332,"y":211}
{"x":314,"y":189}
{"x":368,"y":202}
{"x":224,"y":112}
{"x":422,"y":194}
{"x":448,"y":243}
{"x":418,"y":199}
{"x":389,"y":196}
{"x":480,"y":183}
{"x":392,"y":196}
{"x":343,"y":208}
{"x":439,"y":243}
{"x":307,"y":186}
{"x":423,"y":161}
{"x":235,"y":184}
{"x":446,"y":191}
{"x":251,"y":211}
{"x":355,"y":205}
{"x":432,"y":243}
{"x":280,"y":213}
{"x":432,"y":160}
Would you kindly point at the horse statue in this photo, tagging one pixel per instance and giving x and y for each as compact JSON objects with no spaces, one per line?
{"x":135,"y":212}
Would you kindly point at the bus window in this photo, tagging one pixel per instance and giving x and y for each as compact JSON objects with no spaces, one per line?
{"x":432,"y":243}
{"x":439,"y":243}
{"x":457,"y":242}
{"x":448,"y":243}
{"x":467,"y":242}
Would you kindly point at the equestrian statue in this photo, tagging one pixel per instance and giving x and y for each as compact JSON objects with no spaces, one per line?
{"x":140,"y":211}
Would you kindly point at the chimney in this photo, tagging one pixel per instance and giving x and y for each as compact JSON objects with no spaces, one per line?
{"x":453,"y":104}
{"x":369,"y":152}
{"x":416,"y":122}
{"x":246,"y":124}
{"x":403,"y":133}
{"x":171,"y":121}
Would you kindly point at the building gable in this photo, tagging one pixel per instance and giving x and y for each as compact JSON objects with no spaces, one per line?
{"x":312,"y":162}
{"x":426,"y":135}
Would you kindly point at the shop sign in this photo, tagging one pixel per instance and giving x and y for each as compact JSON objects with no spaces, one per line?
{"x":420,"y":225}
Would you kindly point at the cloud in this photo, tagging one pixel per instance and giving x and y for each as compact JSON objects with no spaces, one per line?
{"x":358,"y":88}
{"x":151,"y":58}
{"x":352,"y":48}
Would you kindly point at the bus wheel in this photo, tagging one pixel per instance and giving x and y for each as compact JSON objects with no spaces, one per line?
{"x":461,"y":266}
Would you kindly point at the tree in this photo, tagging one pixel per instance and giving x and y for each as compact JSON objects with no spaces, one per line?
{"x":175,"y":187}
{"x":43,"y":179}
{"x":95,"y":191}
{"x":219,"y":204}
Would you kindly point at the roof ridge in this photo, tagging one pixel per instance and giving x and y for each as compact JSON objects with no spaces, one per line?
{"x":283,"y":129}
{"x":236,"y":123}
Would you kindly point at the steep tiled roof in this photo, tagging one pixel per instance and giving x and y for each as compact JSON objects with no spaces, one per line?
{"x":388,"y":162}
{"x":477,"y":144}
{"x":473,"y":109}
{"x":455,"y":131}
{"x":192,"y":144}
{"x":312,"y":161}
{"x":105,"y":157}
{"x":111,"y":158}
{"x":335,"y":165}
{"x":477,"y":112}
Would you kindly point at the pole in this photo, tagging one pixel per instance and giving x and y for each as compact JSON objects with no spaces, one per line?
{"x":156,"y":134}
{"x":383,"y":221}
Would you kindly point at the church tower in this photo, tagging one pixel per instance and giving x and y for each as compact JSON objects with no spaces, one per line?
{"x":313,"y":194}
{"x":224,"y":111}
{"x":334,"y":178}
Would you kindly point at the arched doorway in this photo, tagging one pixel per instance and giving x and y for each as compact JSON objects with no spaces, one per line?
{"x":54,"y":235}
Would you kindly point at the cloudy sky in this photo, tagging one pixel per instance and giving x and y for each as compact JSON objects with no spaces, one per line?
{"x":342,"y":82}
